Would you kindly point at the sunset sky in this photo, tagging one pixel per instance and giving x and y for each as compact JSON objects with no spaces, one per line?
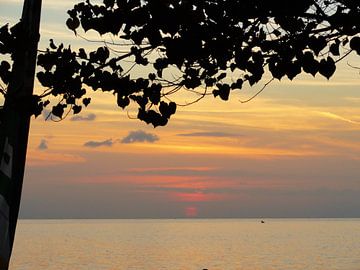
{"x":293,"y":151}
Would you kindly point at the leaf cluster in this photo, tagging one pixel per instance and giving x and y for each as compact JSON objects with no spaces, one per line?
{"x":203,"y":42}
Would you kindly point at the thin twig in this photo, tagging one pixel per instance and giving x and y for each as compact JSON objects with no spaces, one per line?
{"x":344,"y":56}
{"x":254,"y":96}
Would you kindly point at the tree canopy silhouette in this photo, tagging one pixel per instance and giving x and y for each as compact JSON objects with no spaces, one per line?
{"x":160,"y":47}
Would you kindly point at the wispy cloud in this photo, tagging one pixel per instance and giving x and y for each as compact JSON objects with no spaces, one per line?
{"x":43,"y":145}
{"x":338,"y":117}
{"x":208,"y":134}
{"x":95,"y":144}
{"x":139,"y":136}
{"x":89,"y":117}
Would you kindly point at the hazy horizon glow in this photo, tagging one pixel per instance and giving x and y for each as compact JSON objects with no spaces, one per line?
{"x":294,"y":151}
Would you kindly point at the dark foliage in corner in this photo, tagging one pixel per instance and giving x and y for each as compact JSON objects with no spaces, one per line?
{"x":190,"y":46}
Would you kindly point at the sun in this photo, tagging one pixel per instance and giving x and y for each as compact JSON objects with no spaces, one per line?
{"x":191,"y":211}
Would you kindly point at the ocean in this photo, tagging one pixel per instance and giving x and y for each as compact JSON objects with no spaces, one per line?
{"x":194,"y":244}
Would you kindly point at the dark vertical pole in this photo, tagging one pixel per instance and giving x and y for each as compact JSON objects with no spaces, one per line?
{"x":14,"y":129}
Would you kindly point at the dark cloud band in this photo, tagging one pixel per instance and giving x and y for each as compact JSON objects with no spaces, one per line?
{"x":139,"y":136}
{"x":95,"y":144}
{"x":89,"y":117}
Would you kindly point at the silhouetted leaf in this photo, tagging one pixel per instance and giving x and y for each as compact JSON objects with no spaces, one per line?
{"x":355,"y":44}
{"x":221,"y":76}
{"x":122,"y":101}
{"x":334,"y":49}
{"x":152,"y":76}
{"x":237,"y":85}
{"x":317,"y":44}
{"x":309,"y":64}
{"x":76,"y":109}
{"x":52,"y":44}
{"x":58,"y":110}
{"x":327,"y":67}
{"x":222,"y":91}
{"x":86,"y":101}
{"x":82,"y":53}
{"x":293,"y":69}
{"x":5,"y":73}
{"x":73,"y":23}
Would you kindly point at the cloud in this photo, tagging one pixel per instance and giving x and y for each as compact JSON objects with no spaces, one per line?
{"x":338,"y":117}
{"x":139,"y":136}
{"x":95,"y":144}
{"x":43,"y":145}
{"x":208,"y":134}
{"x":89,"y":117}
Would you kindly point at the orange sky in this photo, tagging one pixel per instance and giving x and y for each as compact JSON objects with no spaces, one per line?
{"x":292,"y":151}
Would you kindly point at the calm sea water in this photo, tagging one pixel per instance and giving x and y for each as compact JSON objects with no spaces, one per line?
{"x":188,"y":244}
